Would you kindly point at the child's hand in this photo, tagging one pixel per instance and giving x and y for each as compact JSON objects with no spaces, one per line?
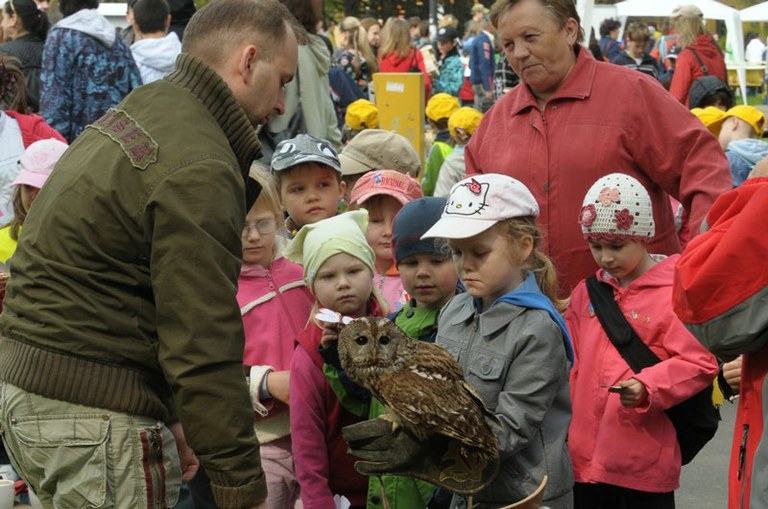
{"x":633,"y":393}
{"x":330,"y":334}
{"x":732,"y":373}
{"x":278,"y":384}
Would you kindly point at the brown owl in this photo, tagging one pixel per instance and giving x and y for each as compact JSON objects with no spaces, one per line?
{"x":421,"y":384}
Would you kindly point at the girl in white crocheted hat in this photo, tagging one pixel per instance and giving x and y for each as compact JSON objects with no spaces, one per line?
{"x":623,"y":446}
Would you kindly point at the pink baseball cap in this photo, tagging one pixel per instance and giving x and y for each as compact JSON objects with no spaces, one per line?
{"x":479,"y":202}
{"x":38,"y":162}
{"x":388,"y":182}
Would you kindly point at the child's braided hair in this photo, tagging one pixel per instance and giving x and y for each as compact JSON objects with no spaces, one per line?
{"x":13,"y":88}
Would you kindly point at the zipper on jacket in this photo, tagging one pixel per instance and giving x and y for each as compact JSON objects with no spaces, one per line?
{"x":742,"y":452}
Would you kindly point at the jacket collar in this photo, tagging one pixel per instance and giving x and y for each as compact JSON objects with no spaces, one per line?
{"x":494,"y":319}
{"x":208,"y":87}
{"x":577,"y":85}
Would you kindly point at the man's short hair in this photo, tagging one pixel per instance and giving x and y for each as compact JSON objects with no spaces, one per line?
{"x":216,"y":29}
{"x":69,"y":7}
{"x":559,"y":10}
{"x":151,"y":15}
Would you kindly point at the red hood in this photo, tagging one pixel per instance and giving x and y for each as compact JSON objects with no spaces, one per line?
{"x":706,"y":47}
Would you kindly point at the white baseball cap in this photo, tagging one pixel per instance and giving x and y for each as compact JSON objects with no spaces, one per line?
{"x":479,"y":202}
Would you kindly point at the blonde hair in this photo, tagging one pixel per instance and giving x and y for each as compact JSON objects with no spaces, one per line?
{"x":358,"y":42}
{"x":269,"y":197}
{"x":395,"y":38}
{"x":688,"y":28}
{"x":19,"y":214}
{"x":542,"y":267}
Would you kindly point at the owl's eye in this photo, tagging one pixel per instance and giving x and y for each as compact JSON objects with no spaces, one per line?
{"x":361,"y":340}
{"x":384,"y":340}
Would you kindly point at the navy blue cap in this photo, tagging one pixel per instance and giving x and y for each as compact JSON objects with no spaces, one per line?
{"x":413,"y":221}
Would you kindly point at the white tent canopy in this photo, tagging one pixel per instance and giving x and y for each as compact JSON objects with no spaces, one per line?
{"x":711,"y":10}
{"x":757,"y":12}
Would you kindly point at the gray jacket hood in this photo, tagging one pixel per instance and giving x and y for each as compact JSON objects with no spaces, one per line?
{"x":319,"y":53}
{"x":749,"y":149}
{"x":90,"y":22}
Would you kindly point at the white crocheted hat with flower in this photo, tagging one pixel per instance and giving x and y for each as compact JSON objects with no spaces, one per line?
{"x":617,"y":206}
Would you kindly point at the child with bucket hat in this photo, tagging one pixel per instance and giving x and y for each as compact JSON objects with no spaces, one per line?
{"x":462,"y":124}
{"x":439,"y":109}
{"x":614,"y":407}
{"x":376,"y":149}
{"x":361,"y":114}
{"x":740,"y":131}
{"x":338,"y":268}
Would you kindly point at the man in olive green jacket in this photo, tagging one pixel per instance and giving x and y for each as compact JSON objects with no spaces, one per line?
{"x":120,"y":321}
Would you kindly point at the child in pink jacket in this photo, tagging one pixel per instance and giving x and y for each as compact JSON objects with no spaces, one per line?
{"x":275,"y":305}
{"x":623,"y":446}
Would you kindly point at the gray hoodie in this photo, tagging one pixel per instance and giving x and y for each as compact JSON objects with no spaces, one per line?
{"x":743,"y":155}
{"x":156,"y":57}
{"x":316,"y":102}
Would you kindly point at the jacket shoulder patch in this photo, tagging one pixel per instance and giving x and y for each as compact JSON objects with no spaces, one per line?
{"x":123,"y":129}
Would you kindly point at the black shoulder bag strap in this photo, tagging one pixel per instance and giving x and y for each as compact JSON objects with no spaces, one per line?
{"x":695,"y":419}
{"x":619,"y":331}
{"x":701,"y":62}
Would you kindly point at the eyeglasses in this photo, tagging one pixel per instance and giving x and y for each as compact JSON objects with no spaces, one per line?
{"x":263,"y":226}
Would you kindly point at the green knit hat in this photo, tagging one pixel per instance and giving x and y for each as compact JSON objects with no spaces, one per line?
{"x":316,"y":242}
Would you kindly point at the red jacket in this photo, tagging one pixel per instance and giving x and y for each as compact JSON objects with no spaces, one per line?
{"x":394,"y":63}
{"x":600,"y":425}
{"x":688,"y":69}
{"x":323,"y":467}
{"x":33,"y":128}
{"x":604,"y":118}
{"x":720,"y":293}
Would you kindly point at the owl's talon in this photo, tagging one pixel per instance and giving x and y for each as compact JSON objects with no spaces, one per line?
{"x":393,"y":420}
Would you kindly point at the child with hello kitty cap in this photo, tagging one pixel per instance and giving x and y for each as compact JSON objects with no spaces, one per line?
{"x":507,"y":334}
{"x":623,"y":446}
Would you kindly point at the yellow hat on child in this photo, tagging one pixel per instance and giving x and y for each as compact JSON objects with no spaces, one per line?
{"x":750,"y":115}
{"x":464,"y":121}
{"x":362,"y":114}
{"x":711,"y":117}
{"x":441,"y":106}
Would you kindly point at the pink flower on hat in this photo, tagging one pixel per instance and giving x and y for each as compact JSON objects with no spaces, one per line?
{"x":587,"y":215}
{"x":474,"y":186}
{"x":624,"y":219}
{"x":609,"y":195}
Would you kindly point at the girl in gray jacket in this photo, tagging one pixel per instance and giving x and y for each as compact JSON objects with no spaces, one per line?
{"x":507,"y":333}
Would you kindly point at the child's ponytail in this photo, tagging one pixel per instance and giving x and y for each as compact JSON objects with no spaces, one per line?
{"x":13,"y":88}
{"x":538,"y":263}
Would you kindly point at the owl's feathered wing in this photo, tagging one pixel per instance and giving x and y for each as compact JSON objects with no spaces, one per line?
{"x":431,"y":396}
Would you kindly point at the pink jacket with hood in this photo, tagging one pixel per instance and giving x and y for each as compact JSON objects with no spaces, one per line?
{"x":275,"y":304}
{"x":634,"y":448}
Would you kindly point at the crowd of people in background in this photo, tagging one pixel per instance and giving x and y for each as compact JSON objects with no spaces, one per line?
{"x":206,"y":193}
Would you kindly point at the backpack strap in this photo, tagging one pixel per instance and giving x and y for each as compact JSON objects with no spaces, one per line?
{"x":619,"y":331}
{"x":701,"y":62}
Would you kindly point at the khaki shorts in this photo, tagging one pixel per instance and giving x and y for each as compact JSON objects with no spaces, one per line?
{"x":76,"y":456}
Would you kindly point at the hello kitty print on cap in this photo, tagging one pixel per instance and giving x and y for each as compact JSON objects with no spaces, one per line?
{"x":479,"y":202}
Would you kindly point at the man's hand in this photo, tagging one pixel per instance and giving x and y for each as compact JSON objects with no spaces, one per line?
{"x":732,"y":374}
{"x":439,"y":459}
{"x":189,"y":462}
{"x":633,"y":393}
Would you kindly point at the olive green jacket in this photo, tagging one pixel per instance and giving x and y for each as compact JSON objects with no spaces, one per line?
{"x":122,"y":295}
